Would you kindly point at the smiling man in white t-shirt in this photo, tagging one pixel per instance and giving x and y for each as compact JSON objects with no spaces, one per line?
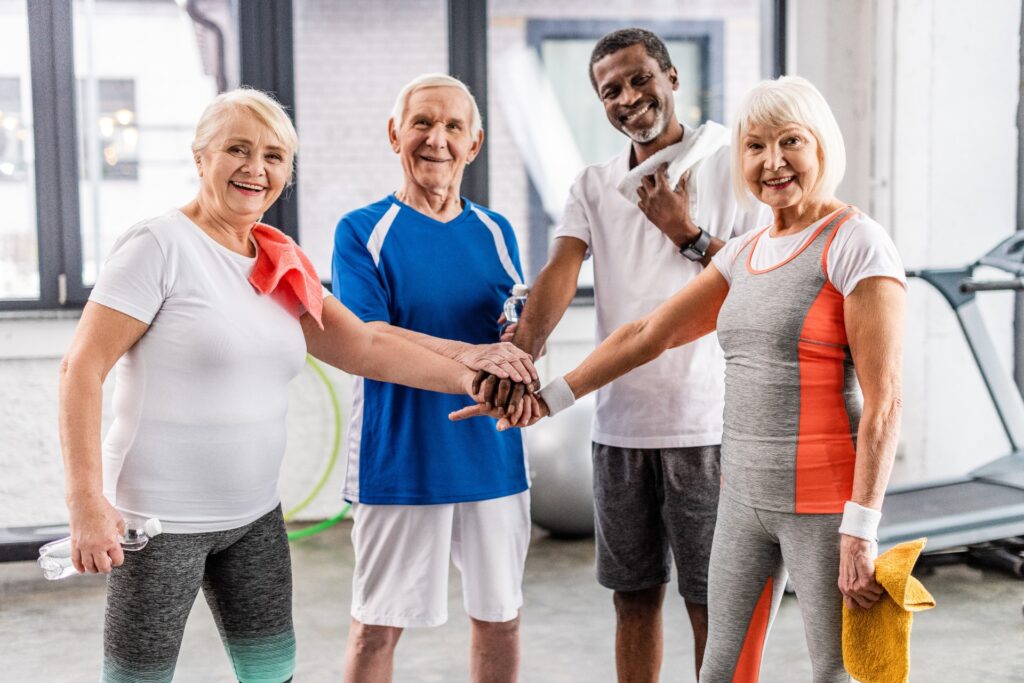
{"x":657,"y":430}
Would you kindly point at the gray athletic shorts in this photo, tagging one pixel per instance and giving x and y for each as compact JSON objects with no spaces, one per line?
{"x":648,"y":502}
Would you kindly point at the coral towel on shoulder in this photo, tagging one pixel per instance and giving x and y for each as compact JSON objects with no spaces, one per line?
{"x":281,"y":261}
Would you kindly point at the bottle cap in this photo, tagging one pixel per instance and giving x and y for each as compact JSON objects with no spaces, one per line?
{"x":152,"y":527}
{"x":520,"y":290}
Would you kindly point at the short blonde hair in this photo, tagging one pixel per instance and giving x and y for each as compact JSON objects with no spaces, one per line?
{"x":789,"y":100}
{"x":435,"y":80}
{"x":259,"y":104}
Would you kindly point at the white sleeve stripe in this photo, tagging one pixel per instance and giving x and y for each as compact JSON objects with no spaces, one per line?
{"x":499,"y":244}
{"x":380,"y":231}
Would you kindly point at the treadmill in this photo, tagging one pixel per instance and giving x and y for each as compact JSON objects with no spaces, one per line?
{"x":22,"y":543}
{"x":987,"y":504}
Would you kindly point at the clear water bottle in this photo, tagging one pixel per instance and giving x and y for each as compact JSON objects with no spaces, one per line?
{"x":55,"y":557}
{"x":514,"y":304}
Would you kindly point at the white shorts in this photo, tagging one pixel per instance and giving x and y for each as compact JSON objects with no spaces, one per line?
{"x":402,"y":551}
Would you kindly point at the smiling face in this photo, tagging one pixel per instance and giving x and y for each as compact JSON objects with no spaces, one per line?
{"x":636,"y":93}
{"x":433,"y":140}
{"x":781,"y":164}
{"x":243,"y":169}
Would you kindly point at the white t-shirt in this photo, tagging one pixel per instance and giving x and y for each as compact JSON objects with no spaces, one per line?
{"x":861,"y":249}
{"x":676,"y":400}
{"x":200,"y":400}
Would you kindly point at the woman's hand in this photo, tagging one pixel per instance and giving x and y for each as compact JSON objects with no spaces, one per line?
{"x":531,"y":409}
{"x":96,"y":528}
{"x":502,"y":359}
{"x":857,"y":572}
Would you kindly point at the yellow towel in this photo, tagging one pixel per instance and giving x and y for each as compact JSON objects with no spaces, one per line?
{"x":876,"y":641}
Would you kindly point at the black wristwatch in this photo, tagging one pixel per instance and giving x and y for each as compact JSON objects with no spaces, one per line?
{"x":697,"y":250}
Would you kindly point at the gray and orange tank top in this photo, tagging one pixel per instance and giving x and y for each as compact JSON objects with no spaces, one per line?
{"x":792,"y":403}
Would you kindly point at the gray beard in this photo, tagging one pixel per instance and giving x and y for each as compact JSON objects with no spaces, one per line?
{"x":648,"y":134}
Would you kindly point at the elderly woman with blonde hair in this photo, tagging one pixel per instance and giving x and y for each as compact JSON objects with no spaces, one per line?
{"x":805,"y":309}
{"x":208,"y":315}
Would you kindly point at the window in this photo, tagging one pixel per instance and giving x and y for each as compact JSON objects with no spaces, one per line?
{"x":104,"y":129}
{"x":113,"y":146}
{"x":19,"y":243}
{"x":144,"y":74}
{"x":13,"y":132}
{"x":115,"y":116}
{"x":534,"y":166}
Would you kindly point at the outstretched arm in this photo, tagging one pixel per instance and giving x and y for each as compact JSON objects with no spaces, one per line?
{"x":688,"y":315}
{"x":550,"y":295}
{"x":501,"y":359}
{"x":351,"y":345}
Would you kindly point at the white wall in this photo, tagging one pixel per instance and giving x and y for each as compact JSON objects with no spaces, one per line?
{"x":926,"y":94}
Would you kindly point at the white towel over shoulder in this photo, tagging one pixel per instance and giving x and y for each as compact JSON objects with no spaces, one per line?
{"x":696,"y":145}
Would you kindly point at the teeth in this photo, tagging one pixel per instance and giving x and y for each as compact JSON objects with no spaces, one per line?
{"x":778,"y":181}
{"x":247,"y":186}
{"x":630,"y":117}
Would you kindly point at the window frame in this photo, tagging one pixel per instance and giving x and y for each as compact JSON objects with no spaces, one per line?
{"x":270,"y":66}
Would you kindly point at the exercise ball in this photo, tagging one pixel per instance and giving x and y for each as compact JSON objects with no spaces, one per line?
{"x":561,"y":471}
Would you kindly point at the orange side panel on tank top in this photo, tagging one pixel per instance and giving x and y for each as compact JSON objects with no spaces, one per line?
{"x":825,"y":452}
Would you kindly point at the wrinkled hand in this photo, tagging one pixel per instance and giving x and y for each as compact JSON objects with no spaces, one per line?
{"x":503,"y":359}
{"x":857,"y":572}
{"x":531,"y":409}
{"x":667,"y":207}
{"x":95,"y":530}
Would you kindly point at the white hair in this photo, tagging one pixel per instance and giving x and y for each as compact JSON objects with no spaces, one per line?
{"x":789,"y":100}
{"x":258,"y":104}
{"x":435,"y":80}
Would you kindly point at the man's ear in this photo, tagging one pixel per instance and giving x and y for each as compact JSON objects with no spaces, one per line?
{"x":477,"y":144}
{"x":673,"y":77}
{"x":393,"y":135}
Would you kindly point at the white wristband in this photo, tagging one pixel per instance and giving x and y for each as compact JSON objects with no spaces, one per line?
{"x":557,"y":395}
{"x":860,"y":521}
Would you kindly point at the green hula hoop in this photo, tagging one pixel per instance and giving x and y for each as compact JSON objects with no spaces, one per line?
{"x":331,"y":462}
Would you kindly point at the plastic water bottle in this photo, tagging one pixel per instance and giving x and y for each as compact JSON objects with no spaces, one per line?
{"x":514,"y":304}
{"x":55,"y":557}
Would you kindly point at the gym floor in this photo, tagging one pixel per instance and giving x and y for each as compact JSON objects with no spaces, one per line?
{"x":52,"y":630}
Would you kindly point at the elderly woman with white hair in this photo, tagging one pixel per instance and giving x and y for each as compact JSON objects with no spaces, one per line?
{"x":804,"y":309}
{"x":208,"y":315}
{"x":433,"y":267}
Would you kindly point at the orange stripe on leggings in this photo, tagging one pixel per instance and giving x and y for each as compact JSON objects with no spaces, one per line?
{"x":748,"y":666}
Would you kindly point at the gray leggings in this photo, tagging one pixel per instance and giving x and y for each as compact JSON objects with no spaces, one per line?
{"x":245,"y":574}
{"x":749,"y":557}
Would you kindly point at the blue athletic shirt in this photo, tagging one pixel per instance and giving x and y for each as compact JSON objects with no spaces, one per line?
{"x":448,"y":280}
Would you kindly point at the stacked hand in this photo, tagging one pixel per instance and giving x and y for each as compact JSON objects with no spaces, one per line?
{"x":504,"y":361}
{"x":515,"y":404}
